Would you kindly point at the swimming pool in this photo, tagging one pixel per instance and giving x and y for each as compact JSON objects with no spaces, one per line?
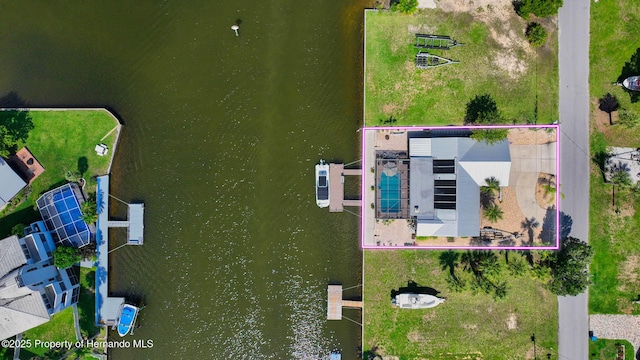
{"x":389,"y":193}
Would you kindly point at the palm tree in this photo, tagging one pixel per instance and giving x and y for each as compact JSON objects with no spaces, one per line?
{"x":487,"y":197}
{"x":492,"y":183}
{"x":609,"y":103}
{"x":620,"y":174}
{"x":493,"y":213}
{"x":89,"y":211}
{"x":529,"y":225}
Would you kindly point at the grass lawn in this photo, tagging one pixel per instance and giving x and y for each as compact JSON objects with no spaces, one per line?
{"x":607,"y":349}
{"x":59,"y":139}
{"x":87,"y":303}
{"x":466,"y":326}
{"x":616,"y":262}
{"x":59,"y":328}
{"x":523,"y":81}
{"x":615,"y":25}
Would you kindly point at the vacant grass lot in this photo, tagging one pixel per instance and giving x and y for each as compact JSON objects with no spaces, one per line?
{"x":466,"y":326}
{"x":616,"y":262}
{"x":495,"y":60}
{"x":59,"y":139}
{"x":615,"y":25}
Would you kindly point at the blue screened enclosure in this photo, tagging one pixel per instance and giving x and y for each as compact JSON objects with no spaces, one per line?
{"x":389,"y":193}
{"x":60,"y":210}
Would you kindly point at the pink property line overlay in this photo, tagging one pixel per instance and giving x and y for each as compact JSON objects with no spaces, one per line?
{"x":418,"y":128}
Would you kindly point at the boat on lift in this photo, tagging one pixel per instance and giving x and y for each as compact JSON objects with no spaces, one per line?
{"x":127,"y":319}
{"x":322,"y":184}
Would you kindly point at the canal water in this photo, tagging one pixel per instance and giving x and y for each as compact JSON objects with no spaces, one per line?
{"x":220,"y":140}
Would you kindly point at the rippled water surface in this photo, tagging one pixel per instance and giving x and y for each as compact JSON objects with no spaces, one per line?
{"x":220,"y":139}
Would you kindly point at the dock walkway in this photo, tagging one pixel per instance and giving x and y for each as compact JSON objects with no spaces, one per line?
{"x":337,"y":201}
{"x":335,"y":303}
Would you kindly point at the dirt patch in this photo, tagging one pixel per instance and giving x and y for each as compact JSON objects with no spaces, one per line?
{"x":415,"y":336}
{"x":512,"y":322}
{"x":546,"y":190}
{"x":531,"y":136}
{"x":470,"y":326}
{"x":500,"y":17}
{"x":628,"y":271}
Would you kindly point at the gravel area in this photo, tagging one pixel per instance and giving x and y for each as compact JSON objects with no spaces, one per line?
{"x":614,"y":327}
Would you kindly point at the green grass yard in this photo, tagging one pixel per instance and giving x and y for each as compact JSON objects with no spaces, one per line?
{"x":59,"y":328}
{"x":616,"y":263}
{"x":58,"y":140}
{"x":466,"y":326}
{"x":524,"y":85}
{"x":602,"y":349}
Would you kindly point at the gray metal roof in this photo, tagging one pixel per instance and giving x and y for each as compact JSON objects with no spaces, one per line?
{"x":11,"y":183}
{"x":421,"y":190}
{"x":21,"y":308}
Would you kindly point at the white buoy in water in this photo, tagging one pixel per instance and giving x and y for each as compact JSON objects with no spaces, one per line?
{"x":235,"y":28}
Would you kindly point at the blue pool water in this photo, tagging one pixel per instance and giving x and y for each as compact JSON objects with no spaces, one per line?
{"x":389,"y":193}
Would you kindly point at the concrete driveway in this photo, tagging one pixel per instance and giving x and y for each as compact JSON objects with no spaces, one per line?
{"x":527,"y":162}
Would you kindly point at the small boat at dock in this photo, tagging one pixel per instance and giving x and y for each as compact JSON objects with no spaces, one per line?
{"x":322,"y":184}
{"x":127,"y":319}
{"x":415,"y":301}
{"x":632,"y":83}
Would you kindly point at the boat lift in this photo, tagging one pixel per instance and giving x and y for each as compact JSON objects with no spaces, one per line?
{"x":439,"y":42}
{"x":425,"y":60}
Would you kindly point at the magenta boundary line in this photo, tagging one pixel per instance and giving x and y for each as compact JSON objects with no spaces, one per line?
{"x":418,"y":128}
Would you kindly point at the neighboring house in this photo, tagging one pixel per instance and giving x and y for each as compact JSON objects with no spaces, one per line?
{"x":11,"y":183}
{"x":445,"y":172}
{"x":31,"y":287}
{"x":60,"y":211}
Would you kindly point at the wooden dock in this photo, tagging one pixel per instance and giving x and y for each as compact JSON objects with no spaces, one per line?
{"x":335,"y":303}
{"x":336,"y":187}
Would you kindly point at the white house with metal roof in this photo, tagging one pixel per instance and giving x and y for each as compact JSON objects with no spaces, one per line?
{"x":32,"y":288}
{"x":445,"y":178}
{"x":11,"y":183}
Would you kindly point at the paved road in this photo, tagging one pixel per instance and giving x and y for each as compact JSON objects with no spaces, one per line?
{"x":573,"y":23}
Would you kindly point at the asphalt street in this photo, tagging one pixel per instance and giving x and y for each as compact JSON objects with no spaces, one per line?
{"x":573,"y":23}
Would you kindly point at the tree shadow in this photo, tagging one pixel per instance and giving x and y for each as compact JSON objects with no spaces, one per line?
{"x":600,"y":158}
{"x":12,"y":100}
{"x":449,"y":260}
{"x":529,"y":225}
{"x":83,"y":165}
{"x":25,"y":216}
{"x":548,"y":233}
{"x":414,"y":288}
{"x":608,"y":103}
{"x":631,"y":68}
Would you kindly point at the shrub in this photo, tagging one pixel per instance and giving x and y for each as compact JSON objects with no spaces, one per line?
{"x":539,"y":8}
{"x":65,"y":256}
{"x":18,"y":230}
{"x":405,"y":6}
{"x":628,"y":118}
{"x":536,"y":34}
{"x":89,"y":211}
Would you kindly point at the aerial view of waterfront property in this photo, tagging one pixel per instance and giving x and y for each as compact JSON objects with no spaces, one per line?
{"x":442,"y":188}
{"x":382,"y":180}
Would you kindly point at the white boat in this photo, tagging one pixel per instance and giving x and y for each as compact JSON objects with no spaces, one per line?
{"x":127,"y":319}
{"x":416,"y":301}
{"x":322,"y":184}
{"x":632,"y":83}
